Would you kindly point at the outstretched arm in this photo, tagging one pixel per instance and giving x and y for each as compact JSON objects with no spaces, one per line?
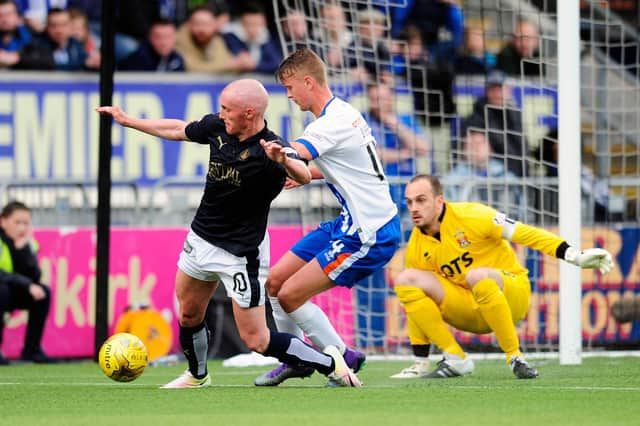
{"x":165,"y":128}
{"x":551,"y":244}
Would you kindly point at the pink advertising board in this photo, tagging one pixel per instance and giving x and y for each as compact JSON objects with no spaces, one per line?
{"x":142,"y":269}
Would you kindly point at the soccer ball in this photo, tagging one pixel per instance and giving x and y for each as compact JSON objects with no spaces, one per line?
{"x":123,"y":357}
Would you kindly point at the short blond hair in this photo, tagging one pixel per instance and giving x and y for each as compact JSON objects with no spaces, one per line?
{"x":303,"y":61}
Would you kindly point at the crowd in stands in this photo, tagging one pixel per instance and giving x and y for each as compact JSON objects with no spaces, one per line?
{"x":425,"y":44}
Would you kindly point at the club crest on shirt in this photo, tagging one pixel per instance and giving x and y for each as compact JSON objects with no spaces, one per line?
{"x":244,"y":155}
{"x":462,"y":239}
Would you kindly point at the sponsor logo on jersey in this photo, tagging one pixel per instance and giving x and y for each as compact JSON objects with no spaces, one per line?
{"x":462,"y":239}
{"x":221,"y":172}
{"x":455,"y":266}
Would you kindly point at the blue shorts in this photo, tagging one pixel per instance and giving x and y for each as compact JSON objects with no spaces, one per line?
{"x":344,"y":258}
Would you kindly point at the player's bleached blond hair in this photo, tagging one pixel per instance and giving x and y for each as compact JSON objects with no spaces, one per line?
{"x":303,"y":61}
{"x":436,"y":185}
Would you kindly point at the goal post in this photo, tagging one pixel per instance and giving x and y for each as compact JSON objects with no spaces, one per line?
{"x":570,"y":158}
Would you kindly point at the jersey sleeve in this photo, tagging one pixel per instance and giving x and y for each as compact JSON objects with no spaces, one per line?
{"x":288,"y":149}
{"x":526,"y":235}
{"x":317,"y":139}
{"x":200,"y":131}
{"x":538,"y":239}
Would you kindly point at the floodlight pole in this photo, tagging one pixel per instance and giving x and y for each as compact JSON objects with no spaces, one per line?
{"x":103,"y":220}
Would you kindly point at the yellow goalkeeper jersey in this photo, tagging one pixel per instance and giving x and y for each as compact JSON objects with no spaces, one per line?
{"x":475,"y":235}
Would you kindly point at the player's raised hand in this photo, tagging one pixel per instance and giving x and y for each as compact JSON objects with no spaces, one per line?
{"x":116,"y":112}
{"x":274,"y":151}
{"x":593,"y":258}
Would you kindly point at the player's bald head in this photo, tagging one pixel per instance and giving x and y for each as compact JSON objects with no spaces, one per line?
{"x":248,"y":93}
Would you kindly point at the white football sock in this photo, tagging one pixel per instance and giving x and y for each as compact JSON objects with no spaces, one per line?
{"x":284,"y":322}
{"x":316,"y":325}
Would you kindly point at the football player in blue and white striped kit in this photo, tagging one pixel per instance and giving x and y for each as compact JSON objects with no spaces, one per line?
{"x":361,"y":240}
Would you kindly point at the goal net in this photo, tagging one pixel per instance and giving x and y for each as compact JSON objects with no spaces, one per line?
{"x":491,"y":137}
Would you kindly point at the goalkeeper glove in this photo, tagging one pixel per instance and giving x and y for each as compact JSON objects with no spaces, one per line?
{"x":593,"y":258}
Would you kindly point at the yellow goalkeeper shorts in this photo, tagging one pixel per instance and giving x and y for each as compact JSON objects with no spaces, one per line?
{"x":460,"y":309}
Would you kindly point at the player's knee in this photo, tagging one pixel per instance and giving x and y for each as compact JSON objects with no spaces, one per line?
{"x":188,"y":318}
{"x":273,"y":284}
{"x":408,"y":277}
{"x":407,"y":294}
{"x":476,"y":275}
{"x":289,"y":300}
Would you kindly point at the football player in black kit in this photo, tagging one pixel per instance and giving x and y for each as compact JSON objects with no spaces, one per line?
{"x":228,"y":241}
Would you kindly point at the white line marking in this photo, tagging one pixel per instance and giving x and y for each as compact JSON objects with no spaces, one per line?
{"x":315,"y":386}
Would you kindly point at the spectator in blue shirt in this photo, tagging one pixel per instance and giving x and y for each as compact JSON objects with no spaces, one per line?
{"x":17,"y":50}
{"x":158,"y":53}
{"x":250,"y":34}
{"x":432,"y":17}
{"x":68,"y":53}
{"x":13,"y":35}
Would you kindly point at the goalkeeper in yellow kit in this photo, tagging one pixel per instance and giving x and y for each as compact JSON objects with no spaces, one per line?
{"x":461,"y":270}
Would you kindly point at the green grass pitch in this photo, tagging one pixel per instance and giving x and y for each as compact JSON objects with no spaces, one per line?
{"x":601,"y":391}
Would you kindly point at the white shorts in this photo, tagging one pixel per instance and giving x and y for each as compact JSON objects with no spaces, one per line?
{"x":243,"y":278}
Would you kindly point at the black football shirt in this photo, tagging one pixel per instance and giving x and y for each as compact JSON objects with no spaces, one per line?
{"x":241,"y":184}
